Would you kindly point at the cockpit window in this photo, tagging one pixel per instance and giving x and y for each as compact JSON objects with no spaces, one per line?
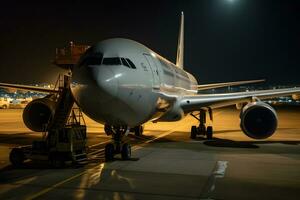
{"x":111,"y":61}
{"x":125,"y":62}
{"x":118,"y":61}
{"x":131,"y":63}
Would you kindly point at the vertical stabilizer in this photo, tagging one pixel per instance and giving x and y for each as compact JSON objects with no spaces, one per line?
{"x":180,"y":47}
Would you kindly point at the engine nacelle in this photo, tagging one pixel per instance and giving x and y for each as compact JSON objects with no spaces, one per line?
{"x":38,"y":113}
{"x":258,"y":120}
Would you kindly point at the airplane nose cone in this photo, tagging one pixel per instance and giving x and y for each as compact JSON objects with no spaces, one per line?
{"x":105,"y":79}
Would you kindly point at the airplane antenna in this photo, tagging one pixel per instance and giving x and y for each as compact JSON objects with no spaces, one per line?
{"x":180,"y":47}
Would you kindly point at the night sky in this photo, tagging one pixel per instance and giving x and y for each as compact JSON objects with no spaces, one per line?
{"x":225,"y":40}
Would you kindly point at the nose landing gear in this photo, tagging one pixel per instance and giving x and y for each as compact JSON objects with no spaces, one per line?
{"x":202,"y":129}
{"x":118,"y":146}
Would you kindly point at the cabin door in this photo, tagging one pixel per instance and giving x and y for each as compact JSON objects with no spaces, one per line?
{"x":154,"y":70}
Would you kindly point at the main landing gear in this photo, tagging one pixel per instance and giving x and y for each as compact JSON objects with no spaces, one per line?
{"x":118,"y":145}
{"x":202,"y":129}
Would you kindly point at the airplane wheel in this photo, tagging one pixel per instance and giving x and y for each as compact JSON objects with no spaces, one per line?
{"x":209,"y":133}
{"x":193,"y":132}
{"x":126,"y":151}
{"x":138,"y":130}
{"x":16,"y":157}
{"x":109,"y":152}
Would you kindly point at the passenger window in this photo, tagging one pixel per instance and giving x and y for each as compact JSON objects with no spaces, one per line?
{"x":111,"y":61}
{"x":125,"y":62}
{"x":131,"y":63}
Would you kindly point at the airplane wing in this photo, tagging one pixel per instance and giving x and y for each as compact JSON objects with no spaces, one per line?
{"x":196,"y":102}
{"x":219,"y":85}
{"x":27,"y":88}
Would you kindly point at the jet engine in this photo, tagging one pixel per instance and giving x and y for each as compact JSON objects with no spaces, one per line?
{"x":258,"y":120}
{"x":39,"y":112}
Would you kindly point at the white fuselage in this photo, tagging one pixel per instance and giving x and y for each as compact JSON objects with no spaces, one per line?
{"x":122,"y":82}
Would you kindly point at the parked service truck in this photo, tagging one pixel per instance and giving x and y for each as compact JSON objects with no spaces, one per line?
{"x":4,"y":102}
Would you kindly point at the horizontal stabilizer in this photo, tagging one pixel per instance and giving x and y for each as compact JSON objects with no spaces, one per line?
{"x":219,"y":85}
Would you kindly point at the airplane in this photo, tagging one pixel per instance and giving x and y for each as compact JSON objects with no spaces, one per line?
{"x":123,"y":84}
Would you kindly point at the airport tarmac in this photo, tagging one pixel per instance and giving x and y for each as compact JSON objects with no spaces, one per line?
{"x":166,"y":163}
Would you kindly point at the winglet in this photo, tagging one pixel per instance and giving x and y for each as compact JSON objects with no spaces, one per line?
{"x":180,"y":47}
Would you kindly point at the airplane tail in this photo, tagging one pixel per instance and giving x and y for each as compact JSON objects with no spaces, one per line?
{"x":180,"y":47}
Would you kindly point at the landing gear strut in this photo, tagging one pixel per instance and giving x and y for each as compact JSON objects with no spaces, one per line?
{"x":202,"y":129}
{"x":118,"y":145}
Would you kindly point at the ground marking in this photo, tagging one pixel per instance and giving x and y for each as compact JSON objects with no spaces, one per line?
{"x":42,"y":192}
{"x":98,"y":144}
{"x":218,"y":172}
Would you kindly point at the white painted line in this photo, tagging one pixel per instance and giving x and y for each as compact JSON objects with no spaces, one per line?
{"x":156,"y":138}
{"x":98,"y":144}
{"x":220,"y":169}
{"x":95,"y":152}
{"x":210,"y":186}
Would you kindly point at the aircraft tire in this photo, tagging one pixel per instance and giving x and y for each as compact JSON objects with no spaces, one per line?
{"x":126,"y":151}
{"x":16,"y":157}
{"x":193,"y":132}
{"x":209,"y":133}
{"x":109,"y":152}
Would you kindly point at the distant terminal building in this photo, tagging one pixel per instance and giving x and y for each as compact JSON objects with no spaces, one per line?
{"x":68,"y":56}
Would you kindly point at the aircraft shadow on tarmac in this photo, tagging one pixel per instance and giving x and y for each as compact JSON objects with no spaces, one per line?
{"x":218,"y":142}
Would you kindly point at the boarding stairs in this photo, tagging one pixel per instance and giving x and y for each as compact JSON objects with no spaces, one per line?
{"x":64,"y":103}
{"x":68,"y":115}
{"x":64,"y":139}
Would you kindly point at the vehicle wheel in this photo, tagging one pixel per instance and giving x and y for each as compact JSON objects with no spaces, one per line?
{"x":193,"y":132}
{"x":138,"y":130}
{"x":4,"y":107}
{"x":209,"y":133}
{"x":109,"y":152}
{"x":201,"y":129}
{"x":126,"y":151}
{"x":16,"y":157}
